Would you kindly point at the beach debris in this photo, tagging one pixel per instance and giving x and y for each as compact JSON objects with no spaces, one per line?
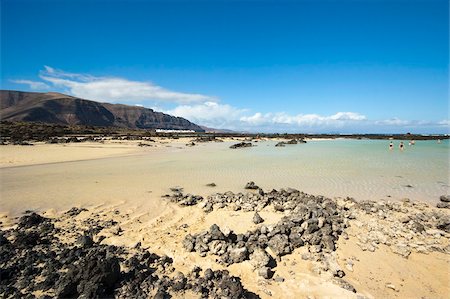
{"x":391,"y":286}
{"x":241,"y":145}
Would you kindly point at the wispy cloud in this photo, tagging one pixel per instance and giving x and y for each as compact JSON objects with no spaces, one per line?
{"x":34,"y":85}
{"x":111,"y":89}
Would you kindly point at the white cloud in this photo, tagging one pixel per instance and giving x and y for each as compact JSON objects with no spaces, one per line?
{"x":211,"y":114}
{"x":308,"y":120}
{"x":393,"y":122}
{"x":445,"y":122}
{"x":35,"y":85}
{"x":111,"y":89}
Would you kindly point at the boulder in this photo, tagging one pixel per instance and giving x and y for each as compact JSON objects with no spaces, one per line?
{"x":251,"y":185}
{"x":257,"y":219}
{"x":238,"y":255}
{"x":241,"y":145}
{"x":265,"y":272}
{"x":280,"y":245}
{"x":259,"y":258}
{"x":445,"y":198}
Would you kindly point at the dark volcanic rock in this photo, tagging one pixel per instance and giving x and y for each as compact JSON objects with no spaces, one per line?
{"x":94,"y":276}
{"x":251,"y":185}
{"x":36,"y":260}
{"x":443,"y":205}
{"x":445,"y":198}
{"x":31,"y":220}
{"x":75,"y":211}
{"x":241,"y":145}
{"x":257,"y":219}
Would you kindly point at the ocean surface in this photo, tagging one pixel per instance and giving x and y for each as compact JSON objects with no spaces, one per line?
{"x":362,"y":169}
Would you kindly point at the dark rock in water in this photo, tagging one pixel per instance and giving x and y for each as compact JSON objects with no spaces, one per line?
{"x":443,"y":205}
{"x":292,"y":141}
{"x":257,"y":219}
{"x":241,"y":145}
{"x":211,"y":185}
{"x":445,"y":198}
{"x":280,"y":144}
{"x":251,"y":185}
{"x":31,"y":220}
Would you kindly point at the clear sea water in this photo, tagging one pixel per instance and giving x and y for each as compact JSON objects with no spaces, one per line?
{"x":363,"y":169}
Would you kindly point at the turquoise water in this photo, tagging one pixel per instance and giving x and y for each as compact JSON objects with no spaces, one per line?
{"x":363,"y":169}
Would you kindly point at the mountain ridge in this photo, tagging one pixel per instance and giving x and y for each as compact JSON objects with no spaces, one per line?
{"x":58,"y":108}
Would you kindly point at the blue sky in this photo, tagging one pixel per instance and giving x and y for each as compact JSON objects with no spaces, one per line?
{"x":275,"y":66}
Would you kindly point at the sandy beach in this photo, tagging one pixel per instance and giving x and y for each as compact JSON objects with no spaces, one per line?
{"x":373,"y":257}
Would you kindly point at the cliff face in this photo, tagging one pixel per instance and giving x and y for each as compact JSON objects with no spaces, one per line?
{"x":67,"y":110}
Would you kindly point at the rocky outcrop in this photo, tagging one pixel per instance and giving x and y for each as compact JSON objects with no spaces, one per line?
{"x":62,"y":109}
{"x":36,"y":257}
{"x":241,"y":145}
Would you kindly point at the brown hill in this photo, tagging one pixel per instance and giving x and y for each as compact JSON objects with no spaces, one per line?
{"x":52,"y":107}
